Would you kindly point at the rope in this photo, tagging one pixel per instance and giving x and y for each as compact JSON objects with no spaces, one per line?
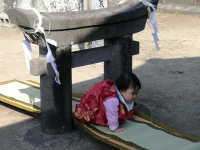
{"x":49,"y":57}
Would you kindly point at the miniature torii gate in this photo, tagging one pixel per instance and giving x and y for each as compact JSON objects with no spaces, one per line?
{"x":114,"y":25}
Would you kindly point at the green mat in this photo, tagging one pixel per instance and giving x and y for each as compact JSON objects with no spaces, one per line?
{"x":139,"y":133}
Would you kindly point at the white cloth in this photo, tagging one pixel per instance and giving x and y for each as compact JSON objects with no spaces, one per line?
{"x":50,"y":58}
{"x":129,"y":105}
{"x":27,"y":53}
{"x":152,"y":20}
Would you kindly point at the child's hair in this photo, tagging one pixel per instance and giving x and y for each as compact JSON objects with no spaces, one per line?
{"x":126,"y":80}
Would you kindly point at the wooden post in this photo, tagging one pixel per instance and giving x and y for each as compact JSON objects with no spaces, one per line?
{"x":85,"y":5}
{"x":56,"y":100}
{"x":64,"y":63}
{"x":121,"y":60}
{"x":51,"y":120}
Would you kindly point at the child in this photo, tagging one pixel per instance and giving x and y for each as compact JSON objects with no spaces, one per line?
{"x":107,"y":102}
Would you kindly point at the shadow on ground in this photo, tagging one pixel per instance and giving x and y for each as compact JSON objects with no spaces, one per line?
{"x":27,"y":135}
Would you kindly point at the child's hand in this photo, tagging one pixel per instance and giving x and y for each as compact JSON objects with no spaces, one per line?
{"x":119,"y":130}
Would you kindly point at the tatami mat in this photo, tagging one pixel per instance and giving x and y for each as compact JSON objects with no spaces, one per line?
{"x":138,"y":134}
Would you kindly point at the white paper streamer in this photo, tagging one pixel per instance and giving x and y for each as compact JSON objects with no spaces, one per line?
{"x":50,"y":58}
{"x":27,"y":53}
{"x":152,"y":20}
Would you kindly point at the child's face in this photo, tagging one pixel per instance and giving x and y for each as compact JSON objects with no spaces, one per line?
{"x":130,"y":94}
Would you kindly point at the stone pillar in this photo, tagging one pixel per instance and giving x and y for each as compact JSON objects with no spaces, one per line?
{"x":121,"y":60}
{"x":25,"y":4}
{"x":52,"y":121}
{"x":56,"y":99}
{"x":2,"y":7}
{"x":7,"y":3}
{"x":64,"y":64}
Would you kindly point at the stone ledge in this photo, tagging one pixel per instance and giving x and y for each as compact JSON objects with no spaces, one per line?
{"x":179,"y":8}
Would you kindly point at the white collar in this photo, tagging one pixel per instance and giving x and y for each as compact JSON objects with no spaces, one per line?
{"x":129,"y":105}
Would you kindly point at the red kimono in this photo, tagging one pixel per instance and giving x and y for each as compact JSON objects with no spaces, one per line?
{"x":91,"y":107}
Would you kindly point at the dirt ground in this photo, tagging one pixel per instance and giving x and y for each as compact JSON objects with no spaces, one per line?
{"x":170,"y":84}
